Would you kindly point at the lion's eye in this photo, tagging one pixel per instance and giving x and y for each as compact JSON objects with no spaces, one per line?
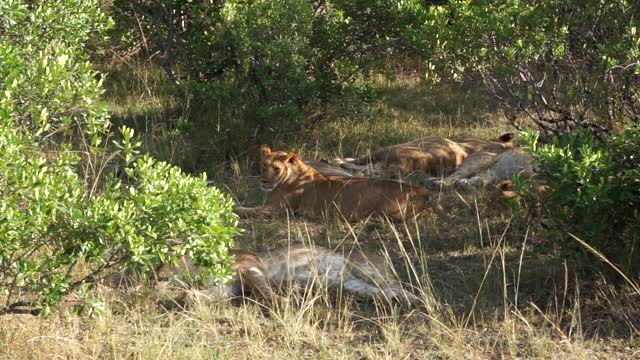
{"x":276,"y":169}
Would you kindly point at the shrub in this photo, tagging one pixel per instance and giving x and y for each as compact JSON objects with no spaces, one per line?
{"x":569,"y":69}
{"x":564,"y":65}
{"x":251,"y":69}
{"x":594,"y":192}
{"x":67,"y":218}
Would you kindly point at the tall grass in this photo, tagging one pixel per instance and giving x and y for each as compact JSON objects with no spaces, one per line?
{"x":469,"y":310}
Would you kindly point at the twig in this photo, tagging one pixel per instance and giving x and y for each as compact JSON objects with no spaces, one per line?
{"x":18,"y":308}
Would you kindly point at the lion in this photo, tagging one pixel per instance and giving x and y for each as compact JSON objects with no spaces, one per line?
{"x":262,"y":275}
{"x":433,"y":155}
{"x":299,"y":188}
{"x":483,"y":168}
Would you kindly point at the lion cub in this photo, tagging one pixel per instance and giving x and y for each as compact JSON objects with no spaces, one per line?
{"x":261,"y":275}
{"x":298,"y":187}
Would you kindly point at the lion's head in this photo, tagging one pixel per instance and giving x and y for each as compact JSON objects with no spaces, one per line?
{"x":278,"y":167}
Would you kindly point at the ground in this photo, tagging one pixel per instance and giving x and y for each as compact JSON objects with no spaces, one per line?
{"x":493,"y":285}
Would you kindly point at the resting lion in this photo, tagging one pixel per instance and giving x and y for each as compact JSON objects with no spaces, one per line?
{"x":483,"y":168}
{"x":433,"y":155}
{"x":261,"y":275}
{"x":298,"y":187}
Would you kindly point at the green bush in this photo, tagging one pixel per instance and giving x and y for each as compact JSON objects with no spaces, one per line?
{"x":564,"y":65}
{"x":594,"y":192}
{"x":251,"y":69}
{"x":570,"y":70}
{"x":67,"y":217}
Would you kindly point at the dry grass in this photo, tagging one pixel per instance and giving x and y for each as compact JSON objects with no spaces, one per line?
{"x":492,"y":287}
{"x":507,"y":298}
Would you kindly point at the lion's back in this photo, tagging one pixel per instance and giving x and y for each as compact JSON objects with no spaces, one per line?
{"x":513,"y":163}
{"x":366,"y":196}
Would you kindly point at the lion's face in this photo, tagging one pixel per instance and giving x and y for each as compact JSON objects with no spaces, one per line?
{"x":276,"y":167}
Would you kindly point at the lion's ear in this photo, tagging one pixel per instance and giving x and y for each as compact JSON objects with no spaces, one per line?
{"x":292,"y":157}
{"x":265,"y":150}
{"x":506,"y":137}
{"x":505,"y":185}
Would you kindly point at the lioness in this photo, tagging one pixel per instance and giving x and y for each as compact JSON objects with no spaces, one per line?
{"x":433,"y":155}
{"x":261,"y":275}
{"x":298,"y":187}
{"x":483,"y":167}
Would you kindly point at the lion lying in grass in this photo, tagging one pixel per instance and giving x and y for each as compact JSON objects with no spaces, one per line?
{"x":297,"y":187}
{"x":483,"y":168}
{"x":433,"y":155}
{"x":262,"y":275}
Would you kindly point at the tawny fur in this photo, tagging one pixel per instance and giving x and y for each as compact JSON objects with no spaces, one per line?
{"x":327,"y":169}
{"x":261,"y":276}
{"x":299,"y":188}
{"x":483,"y":168}
{"x":433,"y":155}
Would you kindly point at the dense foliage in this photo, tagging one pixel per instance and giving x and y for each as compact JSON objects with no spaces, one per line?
{"x":593,"y":192}
{"x":255,"y":66}
{"x":563,"y":64}
{"x":66,"y":216}
{"x":571,"y":70}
